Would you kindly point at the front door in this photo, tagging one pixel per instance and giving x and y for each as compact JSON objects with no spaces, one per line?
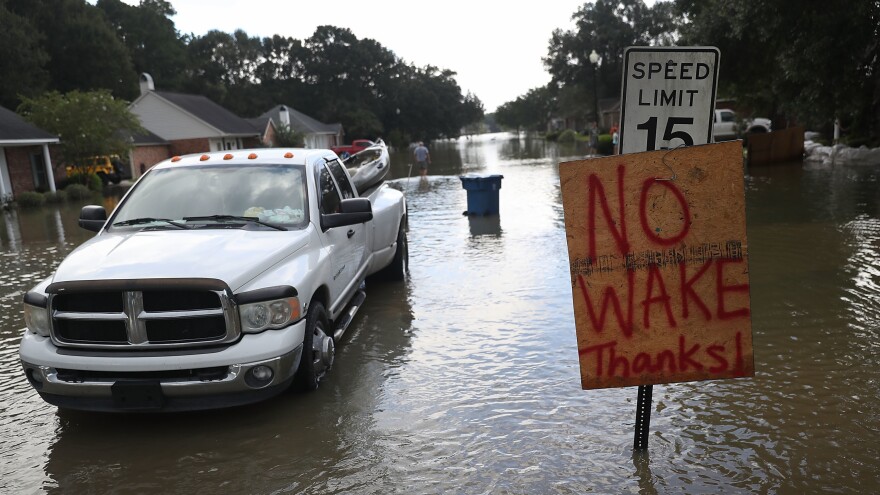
{"x":346,"y":244}
{"x":38,"y":168}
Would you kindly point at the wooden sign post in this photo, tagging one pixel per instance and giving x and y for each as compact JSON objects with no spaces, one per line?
{"x":659,"y":266}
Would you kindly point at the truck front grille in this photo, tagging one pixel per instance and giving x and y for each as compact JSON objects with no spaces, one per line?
{"x":198,"y":374}
{"x":143,"y":319}
{"x":92,"y":331}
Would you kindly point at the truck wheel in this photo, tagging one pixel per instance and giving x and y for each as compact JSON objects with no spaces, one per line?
{"x":318,"y":349}
{"x":399,"y":266}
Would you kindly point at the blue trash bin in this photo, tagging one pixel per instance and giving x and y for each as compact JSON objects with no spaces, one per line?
{"x":482,"y":193}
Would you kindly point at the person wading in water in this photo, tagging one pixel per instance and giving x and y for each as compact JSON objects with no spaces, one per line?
{"x":423,"y":158}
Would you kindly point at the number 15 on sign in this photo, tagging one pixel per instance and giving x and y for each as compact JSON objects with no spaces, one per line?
{"x":668,"y":97}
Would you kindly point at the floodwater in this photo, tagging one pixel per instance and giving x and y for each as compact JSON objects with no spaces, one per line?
{"x":465,"y":379}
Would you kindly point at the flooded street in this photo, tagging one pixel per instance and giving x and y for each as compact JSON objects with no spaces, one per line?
{"x":465,"y":379}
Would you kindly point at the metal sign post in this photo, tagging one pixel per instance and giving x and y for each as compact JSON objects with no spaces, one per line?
{"x":643,"y":417}
{"x":667,"y":101}
{"x":672,"y":89}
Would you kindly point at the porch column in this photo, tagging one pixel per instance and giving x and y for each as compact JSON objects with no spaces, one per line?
{"x":3,"y":191}
{"x":48,"y":163}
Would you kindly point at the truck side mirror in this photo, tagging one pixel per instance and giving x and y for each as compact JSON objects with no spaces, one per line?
{"x":92,"y":217}
{"x":352,"y":211}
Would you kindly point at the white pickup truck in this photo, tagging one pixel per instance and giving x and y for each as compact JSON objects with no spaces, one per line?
{"x":218,"y":280}
{"x":726,"y":125}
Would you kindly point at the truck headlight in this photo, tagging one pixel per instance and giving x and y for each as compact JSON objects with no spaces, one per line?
{"x":278,"y":313}
{"x":36,"y":319}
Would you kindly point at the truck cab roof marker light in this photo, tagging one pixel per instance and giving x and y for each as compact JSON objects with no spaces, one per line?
{"x":252,"y":156}
{"x":227,"y":156}
{"x":204,"y":157}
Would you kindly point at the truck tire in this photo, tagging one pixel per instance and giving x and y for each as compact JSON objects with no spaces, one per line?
{"x":318,"y":349}
{"x":399,"y":267}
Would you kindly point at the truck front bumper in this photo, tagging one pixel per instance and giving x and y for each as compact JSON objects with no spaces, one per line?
{"x":255,"y":368}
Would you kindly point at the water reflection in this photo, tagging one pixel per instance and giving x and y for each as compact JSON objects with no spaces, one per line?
{"x":485,"y":225}
{"x":43,"y":225}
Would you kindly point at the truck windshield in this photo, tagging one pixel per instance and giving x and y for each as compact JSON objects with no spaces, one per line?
{"x":275,"y":194}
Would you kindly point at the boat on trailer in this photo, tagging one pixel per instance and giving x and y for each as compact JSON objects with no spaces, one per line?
{"x":369,"y":167}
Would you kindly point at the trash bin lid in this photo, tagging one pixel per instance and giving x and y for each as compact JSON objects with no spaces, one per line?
{"x":480,"y":176}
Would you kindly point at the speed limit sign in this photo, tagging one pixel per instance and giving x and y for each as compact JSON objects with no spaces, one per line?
{"x":668,"y":97}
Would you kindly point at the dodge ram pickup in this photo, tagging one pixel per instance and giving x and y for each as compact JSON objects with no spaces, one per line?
{"x":219,"y":280}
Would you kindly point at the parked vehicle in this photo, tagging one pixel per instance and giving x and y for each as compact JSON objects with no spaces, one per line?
{"x":108,"y":168}
{"x":356,"y":146}
{"x":218,"y":280}
{"x":727,"y":126}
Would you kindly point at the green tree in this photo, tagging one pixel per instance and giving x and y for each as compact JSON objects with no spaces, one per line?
{"x":280,"y":59}
{"x":88,"y":124}
{"x":608,"y":27}
{"x":83,"y":48}
{"x":23,"y":61}
{"x":345,"y":76}
{"x":366,"y":87}
{"x":153,"y":42}
{"x":531,"y":111}
{"x":808,"y":61}
{"x":223,"y":67}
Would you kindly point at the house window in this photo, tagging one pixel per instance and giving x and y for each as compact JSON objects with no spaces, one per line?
{"x":38,"y":168}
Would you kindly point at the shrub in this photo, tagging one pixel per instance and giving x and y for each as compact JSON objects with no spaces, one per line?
{"x":567,"y":136}
{"x":29,"y":199}
{"x":95,"y":183}
{"x":77,"y":191}
{"x":92,"y":181}
{"x":552,"y":136}
{"x":55,"y":197}
{"x":605,"y":145}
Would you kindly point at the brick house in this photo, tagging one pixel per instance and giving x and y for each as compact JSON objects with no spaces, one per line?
{"x":25,"y":161}
{"x":149,"y":149}
{"x":185,"y":124}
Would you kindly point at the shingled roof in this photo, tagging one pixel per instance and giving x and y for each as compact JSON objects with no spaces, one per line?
{"x":301,"y":122}
{"x":209,"y":112}
{"x":14,"y":129}
{"x":147,"y":139}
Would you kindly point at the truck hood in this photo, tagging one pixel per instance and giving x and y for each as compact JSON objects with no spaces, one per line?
{"x":234,"y":256}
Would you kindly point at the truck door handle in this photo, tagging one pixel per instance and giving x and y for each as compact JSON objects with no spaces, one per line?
{"x":350,"y":233}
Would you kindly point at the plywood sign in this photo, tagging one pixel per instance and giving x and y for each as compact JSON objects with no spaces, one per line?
{"x":659,"y":265}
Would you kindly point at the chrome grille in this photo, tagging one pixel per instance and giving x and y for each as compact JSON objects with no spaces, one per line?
{"x":143,"y":319}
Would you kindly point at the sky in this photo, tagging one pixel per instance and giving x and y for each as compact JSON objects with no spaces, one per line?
{"x":494,"y":47}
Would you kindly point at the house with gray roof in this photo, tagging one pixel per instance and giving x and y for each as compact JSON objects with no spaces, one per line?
{"x":317,"y":135}
{"x":25,"y":161}
{"x":189,"y":123}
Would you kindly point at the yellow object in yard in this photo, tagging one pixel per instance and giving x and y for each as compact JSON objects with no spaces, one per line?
{"x":102,"y":166}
